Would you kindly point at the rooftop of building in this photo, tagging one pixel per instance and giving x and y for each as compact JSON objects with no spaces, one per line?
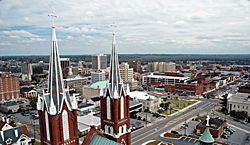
{"x":141,"y":95}
{"x":99,"y":85}
{"x":158,"y":76}
{"x":242,"y":98}
{"x":96,"y":139}
{"x":84,"y":104}
{"x":134,"y":103}
{"x":89,"y":120}
{"x":12,"y":103}
{"x":214,"y":123}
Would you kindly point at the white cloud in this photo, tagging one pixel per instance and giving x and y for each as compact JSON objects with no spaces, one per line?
{"x":142,"y":24}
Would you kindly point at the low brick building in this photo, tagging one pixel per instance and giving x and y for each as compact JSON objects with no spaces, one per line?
{"x":216,"y":126}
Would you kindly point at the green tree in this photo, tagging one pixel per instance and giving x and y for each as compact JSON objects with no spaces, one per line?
{"x":33,"y":102}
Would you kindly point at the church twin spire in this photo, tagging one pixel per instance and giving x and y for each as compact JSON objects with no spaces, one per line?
{"x":115,"y":81}
{"x":56,"y":93}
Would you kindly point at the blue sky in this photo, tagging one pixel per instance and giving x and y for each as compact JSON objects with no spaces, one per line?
{"x":143,"y":26}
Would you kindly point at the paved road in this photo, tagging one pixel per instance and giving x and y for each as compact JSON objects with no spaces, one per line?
{"x":154,"y":130}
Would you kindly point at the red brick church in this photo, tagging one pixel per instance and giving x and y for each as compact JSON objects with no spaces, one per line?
{"x":58,"y":110}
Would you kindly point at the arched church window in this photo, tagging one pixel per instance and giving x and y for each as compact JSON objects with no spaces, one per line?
{"x":108,"y":108}
{"x":65,"y":121}
{"x":122,"y":107}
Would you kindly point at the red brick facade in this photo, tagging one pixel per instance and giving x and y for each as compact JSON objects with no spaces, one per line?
{"x":56,"y":128}
{"x":9,"y":87}
{"x":116,"y":120}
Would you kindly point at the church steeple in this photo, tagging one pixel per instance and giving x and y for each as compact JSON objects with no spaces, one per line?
{"x":115,"y":117}
{"x":56,"y":92}
{"x":57,"y":113}
{"x":115,"y":82}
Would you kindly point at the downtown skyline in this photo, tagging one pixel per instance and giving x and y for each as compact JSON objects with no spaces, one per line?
{"x":151,"y":27}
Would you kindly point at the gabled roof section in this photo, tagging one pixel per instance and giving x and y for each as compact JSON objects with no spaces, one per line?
{"x":14,"y":134}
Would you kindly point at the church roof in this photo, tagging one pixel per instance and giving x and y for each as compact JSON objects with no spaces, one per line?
{"x":95,"y":137}
{"x":13,"y":134}
{"x":102,"y":141}
{"x":206,"y":136}
{"x":99,"y":85}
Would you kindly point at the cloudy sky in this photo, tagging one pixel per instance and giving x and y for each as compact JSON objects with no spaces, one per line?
{"x":143,"y":26}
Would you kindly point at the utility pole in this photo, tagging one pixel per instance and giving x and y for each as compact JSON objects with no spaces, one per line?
{"x":185,"y":127}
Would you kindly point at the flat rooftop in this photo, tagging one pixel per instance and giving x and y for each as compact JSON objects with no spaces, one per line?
{"x":240,"y":98}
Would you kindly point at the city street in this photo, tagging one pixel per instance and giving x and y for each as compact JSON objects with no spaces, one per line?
{"x":154,"y":130}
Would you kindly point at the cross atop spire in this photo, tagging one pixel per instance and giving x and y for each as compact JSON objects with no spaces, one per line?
{"x":53,"y":16}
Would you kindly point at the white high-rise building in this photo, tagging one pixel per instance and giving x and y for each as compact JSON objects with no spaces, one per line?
{"x":97,"y":75}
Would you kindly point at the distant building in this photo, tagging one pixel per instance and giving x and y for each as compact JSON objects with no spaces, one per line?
{"x":10,"y":133}
{"x":14,"y":106}
{"x":136,"y":65}
{"x":126,"y":72}
{"x":149,"y":102}
{"x":97,"y":75}
{"x":99,"y":61}
{"x":76,"y":82}
{"x":239,"y":102}
{"x":158,"y":79}
{"x":26,"y":70}
{"x":9,"y":87}
{"x":65,"y":63}
{"x":127,"y":75}
{"x":93,"y":90}
{"x":162,"y":67}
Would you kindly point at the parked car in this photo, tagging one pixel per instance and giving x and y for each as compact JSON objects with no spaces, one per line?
{"x":174,"y":132}
{"x":224,"y":136}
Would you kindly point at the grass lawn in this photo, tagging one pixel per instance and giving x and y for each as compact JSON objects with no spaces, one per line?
{"x":168,"y":112}
{"x":180,"y":104}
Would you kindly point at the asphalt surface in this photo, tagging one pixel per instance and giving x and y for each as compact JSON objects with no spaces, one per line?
{"x":154,"y":130}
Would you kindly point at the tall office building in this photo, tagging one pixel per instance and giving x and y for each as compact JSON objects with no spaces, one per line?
{"x":57,"y":112}
{"x":162,"y":67}
{"x":126,"y":72}
{"x":9,"y":87}
{"x":99,"y":61}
